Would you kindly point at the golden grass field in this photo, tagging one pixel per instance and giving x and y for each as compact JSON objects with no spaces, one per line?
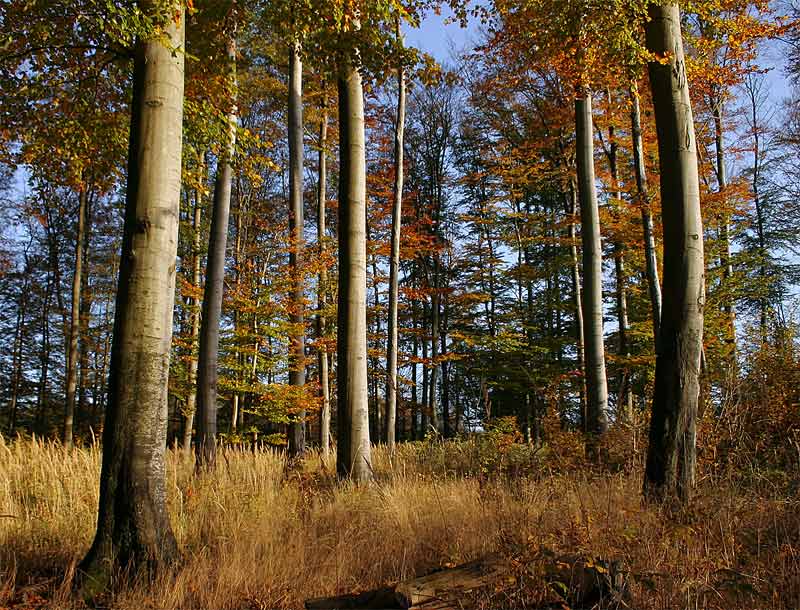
{"x":260,"y":534}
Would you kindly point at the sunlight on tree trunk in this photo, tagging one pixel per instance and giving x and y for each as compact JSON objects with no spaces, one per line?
{"x":133,"y":528}
{"x":670,"y":471}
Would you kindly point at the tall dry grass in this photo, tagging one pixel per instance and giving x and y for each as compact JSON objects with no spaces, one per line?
{"x":262,"y":534}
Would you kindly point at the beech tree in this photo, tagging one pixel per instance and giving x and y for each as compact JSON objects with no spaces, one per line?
{"x":394,"y":262}
{"x":671,"y":455}
{"x":205,"y":448}
{"x":353,"y":442}
{"x":133,"y":528}
{"x":297,"y":370}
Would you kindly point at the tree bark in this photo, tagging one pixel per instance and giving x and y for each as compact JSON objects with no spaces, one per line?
{"x":725,"y":257}
{"x":353,"y":454}
{"x":671,"y":455}
{"x":16,"y":357}
{"x":75,"y":322}
{"x":592,"y":304}
{"x":433,"y":392}
{"x":763,"y":302}
{"x":394,"y":261}
{"x":133,"y":528}
{"x":191,"y":399}
{"x":297,"y":367}
{"x":651,"y":259}
{"x":577,"y":298}
{"x":624,"y":393}
{"x":206,"y":438}
{"x":322,"y":290}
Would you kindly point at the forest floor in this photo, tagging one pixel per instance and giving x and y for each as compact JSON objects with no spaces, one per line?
{"x":260,"y":533}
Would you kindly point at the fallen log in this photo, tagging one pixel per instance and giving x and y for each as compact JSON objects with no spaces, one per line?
{"x":436,"y":591}
{"x":577,"y":581}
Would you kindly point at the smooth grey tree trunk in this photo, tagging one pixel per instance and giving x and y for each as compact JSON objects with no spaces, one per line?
{"x":353,"y":453}
{"x":640,"y":173}
{"x":75,"y":322}
{"x":726,"y":259}
{"x":322,"y":289}
{"x":592,"y":304}
{"x":671,"y":456}
{"x":191,"y":399}
{"x":624,"y":391}
{"x":133,"y":528}
{"x":297,"y":366}
{"x":394,"y":260}
{"x":577,"y":298}
{"x":206,"y":437}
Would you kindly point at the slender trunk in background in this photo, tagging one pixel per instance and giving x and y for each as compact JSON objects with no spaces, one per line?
{"x":16,"y":357}
{"x":85,"y":308}
{"x":75,"y":322}
{"x":39,"y":425}
{"x":650,"y":257}
{"x":297,"y":366}
{"x":206,"y":438}
{"x":133,"y":528}
{"x":763,"y":302}
{"x":322,"y":289}
{"x":424,"y":416}
{"x":671,"y":456}
{"x":726,"y":263}
{"x":394,"y":259}
{"x":624,"y":393}
{"x":376,"y":421}
{"x":191,"y":399}
{"x":237,"y":419}
{"x":446,"y":429}
{"x":353,"y":453}
{"x":414,"y":386}
{"x":433,"y":394}
{"x":596,"y":385}
{"x":577,"y":299}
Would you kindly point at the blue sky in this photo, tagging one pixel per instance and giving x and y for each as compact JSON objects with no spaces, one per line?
{"x":439,"y":38}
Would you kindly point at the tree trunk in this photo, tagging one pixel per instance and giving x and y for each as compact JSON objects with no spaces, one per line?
{"x":651,"y":259}
{"x":433,"y":394}
{"x":763,"y":302}
{"x":322,"y":290}
{"x":85,"y":308}
{"x":376,"y":421}
{"x":624,"y":394}
{"x":729,"y":384}
{"x":353,"y":454}
{"x":39,"y":424}
{"x":191,"y":399}
{"x":16,"y":357}
{"x":424,"y":414}
{"x":133,"y":528}
{"x":206,"y":442}
{"x":75,"y":322}
{"x":596,"y":387}
{"x":446,"y":429}
{"x":577,"y":299}
{"x":297,"y":367}
{"x":394,"y":261}
{"x":414,"y":386}
{"x":671,"y":454}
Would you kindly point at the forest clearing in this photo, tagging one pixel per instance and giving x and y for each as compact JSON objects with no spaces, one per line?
{"x":420,"y":304}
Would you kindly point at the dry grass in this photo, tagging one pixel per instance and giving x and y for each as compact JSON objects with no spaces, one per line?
{"x":261,"y":535}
